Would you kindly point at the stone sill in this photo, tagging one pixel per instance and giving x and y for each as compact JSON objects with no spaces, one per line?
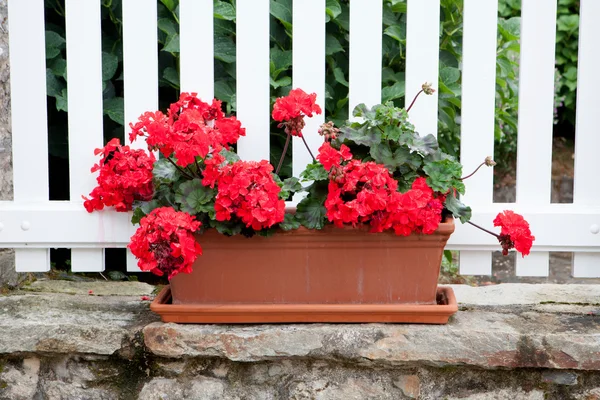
{"x":503,"y":326}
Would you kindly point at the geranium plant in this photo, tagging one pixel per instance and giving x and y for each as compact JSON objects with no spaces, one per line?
{"x":376,"y":173}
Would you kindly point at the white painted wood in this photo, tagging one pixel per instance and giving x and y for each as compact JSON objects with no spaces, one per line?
{"x":478,"y":97}
{"x":140,"y":62}
{"x":535,"y":264}
{"x":87,"y":260}
{"x":475,"y":262}
{"x":422,"y":61}
{"x":536,"y":101}
{"x":308,"y":68}
{"x":84,"y":63}
{"x":365,"y":53}
{"x":253,"y":85}
{"x":29,"y":119}
{"x":587,"y":139}
{"x":196,"y":33}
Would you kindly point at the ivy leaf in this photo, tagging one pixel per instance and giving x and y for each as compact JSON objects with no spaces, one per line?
{"x":170,"y":4}
{"x":58,"y":66}
{"x":194,"y":197}
{"x":339,"y":76}
{"x":168,"y":26}
{"x":289,"y":222}
{"x":224,"y":10}
{"x":310,"y":212}
{"x":396,"y":32}
{"x":449,"y":75}
{"x":54,"y":44}
{"x":164,"y":171}
{"x":443,"y":175}
{"x":393,"y":92}
{"x":114,"y":108}
{"x":282,"y":12}
{"x":510,"y":29}
{"x":224,"y":49}
{"x":285,"y":81}
{"x":54,"y":87}
{"x":314,"y":172}
{"x":110,"y":63}
{"x":457,"y":208}
{"x":172,"y":45}
{"x":332,"y":45}
{"x":171,"y":76}
{"x":62,"y":101}
{"x":143,"y":208}
{"x":333,"y":8}
{"x":228,"y":228}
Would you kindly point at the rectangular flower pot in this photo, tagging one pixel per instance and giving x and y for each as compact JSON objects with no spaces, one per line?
{"x":300,"y":313}
{"x":332,"y":266}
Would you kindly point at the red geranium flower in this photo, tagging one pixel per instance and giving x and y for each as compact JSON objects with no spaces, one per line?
{"x":329,"y":157}
{"x":165,"y":243}
{"x":515,"y":232}
{"x":125,"y":176}
{"x":292,"y":109}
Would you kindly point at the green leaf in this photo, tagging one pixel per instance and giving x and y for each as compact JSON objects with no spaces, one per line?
{"x":282,"y":12}
{"x":54,"y":44}
{"x":382,"y":154}
{"x":510,"y":29}
{"x":62,"y":102}
{"x":332,"y":45}
{"x":449,"y":75}
{"x":443,"y":175}
{"x":339,"y":76}
{"x":289,"y":187}
{"x":314,"y":172}
{"x":114,"y":108}
{"x":224,"y":49}
{"x":399,"y":6}
{"x":422,"y":145}
{"x":143,"y":208}
{"x":311,"y":212}
{"x":172,"y":45}
{"x":230,"y":156}
{"x":224,"y":10}
{"x":54,"y":86}
{"x":229,"y":228}
{"x":333,"y":8}
{"x":170,"y":75}
{"x":170,"y":4}
{"x":289,"y":222}
{"x":285,"y":81}
{"x":194,"y":197}
{"x":58,"y":66}
{"x":224,"y":90}
{"x":165,"y":171}
{"x":457,"y":208}
{"x":110,"y":63}
{"x":393,"y":92}
{"x":361,"y":134}
{"x":396,"y":32}
{"x":168,"y":26}
{"x":568,"y":23}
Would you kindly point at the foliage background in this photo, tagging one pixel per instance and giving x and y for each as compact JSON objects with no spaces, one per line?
{"x":337,"y":18}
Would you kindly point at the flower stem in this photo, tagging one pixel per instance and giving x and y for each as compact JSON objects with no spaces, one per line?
{"x":283,"y":153}
{"x":308,"y":148}
{"x":473,"y":173}
{"x":198,"y":169}
{"x":180,"y":169}
{"x":415,"y":99}
{"x":483,"y":229}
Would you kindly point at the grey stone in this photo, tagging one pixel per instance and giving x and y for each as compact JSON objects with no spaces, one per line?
{"x":503,"y":394}
{"x":66,"y":324}
{"x":560,"y":377}
{"x":409,"y":384}
{"x":520,"y":293}
{"x":20,"y":383}
{"x":98,"y":288}
{"x":204,"y":388}
{"x":59,"y":390}
{"x":162,"y":389}
{"x":8,"y":274}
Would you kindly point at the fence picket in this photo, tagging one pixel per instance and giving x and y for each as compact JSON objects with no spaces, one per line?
{"x":84,"y":63}
{"x":196,"y":60}
{"x":422,"y":61}
{"x":140,"y":71}
{"x":536,"y":104}
{"x":253,"y":86}
{"x":364,"y":75}
{"x":587,"y":140}
{"x":477,"y":114}
{"x":308,"y":67}
{"x":29,"y":134}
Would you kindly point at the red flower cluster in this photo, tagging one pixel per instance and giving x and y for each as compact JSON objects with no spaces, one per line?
{"x":292,"y":109}
{"x":515,"y":232}
{"x":165,"y":243}
{"x":365,"y":192}
{"x":125,"y":176}
{"x":247,"y":190}
{"x":192,"y":128}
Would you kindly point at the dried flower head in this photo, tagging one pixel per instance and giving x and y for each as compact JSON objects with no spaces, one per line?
{"x":427,"y":88}
{"x":329,"y":131}
{"x":489,"y":161}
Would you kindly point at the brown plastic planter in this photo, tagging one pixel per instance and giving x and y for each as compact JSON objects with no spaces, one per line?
{"x":300,"y":313}
{"x":302,"y":270}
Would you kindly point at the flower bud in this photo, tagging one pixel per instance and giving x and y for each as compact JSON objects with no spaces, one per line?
{"x":329,"y":131}
{"x":427,"y":89}
{"x":489,"y":162}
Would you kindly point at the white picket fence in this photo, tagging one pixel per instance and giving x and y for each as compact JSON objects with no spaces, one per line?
{"x":32,"y":224}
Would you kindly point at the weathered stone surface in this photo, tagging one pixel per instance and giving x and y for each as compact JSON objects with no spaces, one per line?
{"x":560,"y":377}
{"x":59,"y":323}
{"x":482,"y":338}
{"x":98,"y":288}
{"x":19,"y":383}
{"x":8,"y":274}
{"x":409,"y":384}
{"x":58,"y":390}
{"x":504,"y":394}
{"x":521,"y":294}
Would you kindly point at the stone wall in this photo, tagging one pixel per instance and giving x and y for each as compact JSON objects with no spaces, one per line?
{"x":8,"y":276}
{"x":514,"y":341}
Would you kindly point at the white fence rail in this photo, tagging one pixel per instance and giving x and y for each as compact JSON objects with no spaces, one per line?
{"x":33,"y":224}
